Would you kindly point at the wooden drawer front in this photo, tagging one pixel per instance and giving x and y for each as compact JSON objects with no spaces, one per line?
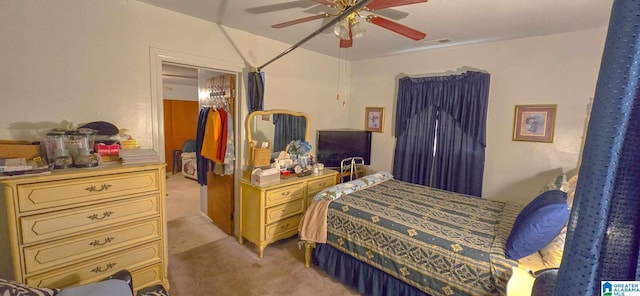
{"x":147,"y":276}
{"x":285,"y":210}
{"x":54,"y":225}
{"x":62,"y":193}
{"x":316,"y":186}
{"x":285,"y":226}
{"x":282,"y":195}
{"x":99,"y":268}
{"x":49,"y":255}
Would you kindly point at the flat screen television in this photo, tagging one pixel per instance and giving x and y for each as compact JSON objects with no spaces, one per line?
{"x":337,"y":144}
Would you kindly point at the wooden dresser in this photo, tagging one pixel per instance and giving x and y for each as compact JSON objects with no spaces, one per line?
{"x":77,"y":226}
{"x":272,"y":212}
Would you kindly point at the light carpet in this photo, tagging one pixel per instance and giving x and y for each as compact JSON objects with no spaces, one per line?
{"x":183,"y":197}
{"x":225,"y":267}
{"x":189,"y":232}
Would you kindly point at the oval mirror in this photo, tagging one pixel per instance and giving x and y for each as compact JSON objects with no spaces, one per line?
{"x":277,"y":127}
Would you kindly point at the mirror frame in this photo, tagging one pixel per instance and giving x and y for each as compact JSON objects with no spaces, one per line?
{"x":247,"y":124}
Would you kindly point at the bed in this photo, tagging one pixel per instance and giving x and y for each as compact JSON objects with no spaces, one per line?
{"x":388,"y":237}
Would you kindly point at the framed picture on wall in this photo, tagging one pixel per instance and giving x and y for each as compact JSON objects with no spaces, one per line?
{"x":374,"y":119}
{"x":534,"y":123}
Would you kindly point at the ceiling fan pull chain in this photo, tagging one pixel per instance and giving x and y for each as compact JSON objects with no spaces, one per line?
{"x":346,"y":77}
{"x":339,"y":73}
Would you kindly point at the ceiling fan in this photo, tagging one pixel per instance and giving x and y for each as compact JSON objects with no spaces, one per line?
{"x":350,"y":27}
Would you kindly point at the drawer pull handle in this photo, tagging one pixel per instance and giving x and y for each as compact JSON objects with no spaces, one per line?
{"x":323,"y":183}
{"x":99,"y":268}
{"x":97,"y":243}
{"x":284,"y":226}
{"x":286,"y":193}
{"x":93,"y":188}
{"x":96,"y":217}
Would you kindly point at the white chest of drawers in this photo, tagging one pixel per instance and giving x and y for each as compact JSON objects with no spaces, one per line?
{"x":77,"y":226}
{"x":272,"y":212}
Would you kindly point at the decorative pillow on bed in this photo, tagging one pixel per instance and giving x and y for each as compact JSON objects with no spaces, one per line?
{"x":11,"y":288}
{"x":537,"y":224}
{"x":340,"y":190}
{"x":552,"y":252}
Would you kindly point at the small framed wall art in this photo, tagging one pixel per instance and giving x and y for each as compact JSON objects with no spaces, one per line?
{"x":374,"y":119}
{"x":534,"y":123}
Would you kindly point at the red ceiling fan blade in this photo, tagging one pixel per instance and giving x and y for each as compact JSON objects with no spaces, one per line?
{"x":300,"y":20}
{"x":381,"y":4}
{"x":398,"y":28}
{"x":325,"y":2}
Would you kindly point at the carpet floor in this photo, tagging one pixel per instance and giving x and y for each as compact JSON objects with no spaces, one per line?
{"x":224,"y":267}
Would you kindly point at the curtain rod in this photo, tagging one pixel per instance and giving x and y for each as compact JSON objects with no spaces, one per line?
{"x":332,"y":22}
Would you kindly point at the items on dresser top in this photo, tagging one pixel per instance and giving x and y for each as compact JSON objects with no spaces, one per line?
{"x":265,"y":176}
{"x":15,"y":167}
{"x":76,"y":226}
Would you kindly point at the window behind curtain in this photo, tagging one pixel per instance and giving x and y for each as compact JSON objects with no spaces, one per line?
{"x":440,"y":131}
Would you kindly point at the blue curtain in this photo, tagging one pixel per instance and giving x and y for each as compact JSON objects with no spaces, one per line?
{"x":440,"y":131}
{"x":287,"y":129}
{"x":604,"y":228}
{"x":255,"y":91}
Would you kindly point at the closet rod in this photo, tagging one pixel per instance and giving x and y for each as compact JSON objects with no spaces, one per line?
{"x":332,"y":22}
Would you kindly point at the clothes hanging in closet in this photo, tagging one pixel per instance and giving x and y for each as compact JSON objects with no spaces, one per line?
{"x":213,"y":140}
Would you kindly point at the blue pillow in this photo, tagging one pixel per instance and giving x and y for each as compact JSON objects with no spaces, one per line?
{"x":538,"y":224}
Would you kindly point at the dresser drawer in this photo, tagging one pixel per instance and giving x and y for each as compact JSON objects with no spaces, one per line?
{"x":75,"y":249}
{"x":316,"y":186}
{"x":90,"y":189}
{"x":99,"y":268}
{"x":147,"y":276}
{"x":280,"y":228}
{"x":284,"y":194}
{"x":285,"y":210}
{"x":54,"y":225}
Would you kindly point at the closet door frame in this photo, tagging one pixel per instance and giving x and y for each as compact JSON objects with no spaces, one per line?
{"x":159,"y":56}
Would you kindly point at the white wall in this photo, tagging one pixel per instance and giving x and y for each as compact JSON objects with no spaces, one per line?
{"x":557,"y":69}
{"x":82,"y":61}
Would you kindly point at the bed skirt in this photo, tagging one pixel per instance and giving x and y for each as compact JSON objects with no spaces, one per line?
{"x":366,"y":279}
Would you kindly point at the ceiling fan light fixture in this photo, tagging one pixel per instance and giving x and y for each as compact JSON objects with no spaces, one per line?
{"x":341,"y":30}
{"x":358,"y":30}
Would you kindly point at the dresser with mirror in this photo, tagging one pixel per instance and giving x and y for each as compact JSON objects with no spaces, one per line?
{"x":272,"y":212}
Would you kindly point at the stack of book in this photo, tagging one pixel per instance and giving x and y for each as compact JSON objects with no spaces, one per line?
{"x":14,"y":164}
{"x":10,"y":167}
{"x":138,"y":156}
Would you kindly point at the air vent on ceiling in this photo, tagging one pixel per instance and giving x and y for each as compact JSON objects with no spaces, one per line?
{"x":438,"y":41}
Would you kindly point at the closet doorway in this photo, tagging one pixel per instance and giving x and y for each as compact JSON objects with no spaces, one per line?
{"x":185,"y":91}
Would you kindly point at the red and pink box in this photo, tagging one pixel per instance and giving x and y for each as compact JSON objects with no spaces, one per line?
{"x":106,"y":150}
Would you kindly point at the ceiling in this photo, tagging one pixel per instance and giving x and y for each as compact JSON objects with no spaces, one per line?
{"x":460,"y":21}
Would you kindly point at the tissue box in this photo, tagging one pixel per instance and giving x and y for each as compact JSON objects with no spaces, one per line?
{"x":258,"y":179}
{"x":106,"y":150}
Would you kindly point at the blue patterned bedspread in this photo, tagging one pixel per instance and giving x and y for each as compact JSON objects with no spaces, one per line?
{"x":443,"y":243}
